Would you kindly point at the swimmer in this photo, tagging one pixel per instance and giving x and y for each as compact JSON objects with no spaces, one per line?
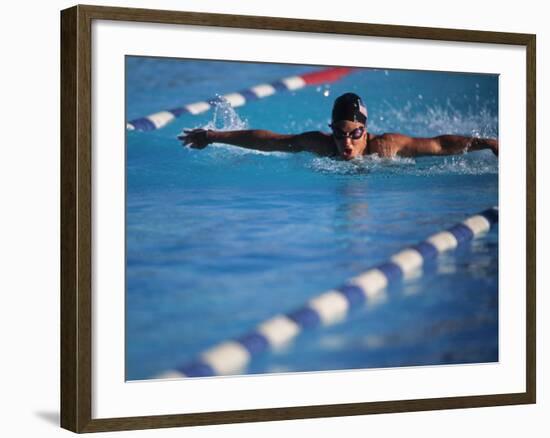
{"x":349,"y":138}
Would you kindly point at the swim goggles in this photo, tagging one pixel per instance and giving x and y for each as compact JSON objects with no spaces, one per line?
{"x":356,"y":134}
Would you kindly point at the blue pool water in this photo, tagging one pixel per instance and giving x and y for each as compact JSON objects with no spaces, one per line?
{"x":220,"y":239}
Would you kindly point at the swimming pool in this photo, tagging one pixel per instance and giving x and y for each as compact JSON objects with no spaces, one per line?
{"x":221,"y":239}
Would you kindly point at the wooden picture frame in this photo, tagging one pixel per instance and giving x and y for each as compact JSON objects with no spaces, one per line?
{"x":76,"y":217}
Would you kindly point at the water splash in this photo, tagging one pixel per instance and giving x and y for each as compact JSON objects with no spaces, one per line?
{"x":418,"y":119}
{"x":477,"y":163}
{"x":361,"y":165}
{"x":224,"y":117}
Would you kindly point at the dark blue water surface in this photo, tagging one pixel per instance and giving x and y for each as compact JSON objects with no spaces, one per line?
{"x":223,"y":238}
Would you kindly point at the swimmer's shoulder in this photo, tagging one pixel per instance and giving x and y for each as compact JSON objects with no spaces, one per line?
{"x":388,"y":144}
{"x":317,"y":142}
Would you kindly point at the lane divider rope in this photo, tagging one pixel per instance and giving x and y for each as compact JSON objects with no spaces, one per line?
{"x":330,"y":307}
{"x":162,"y":118}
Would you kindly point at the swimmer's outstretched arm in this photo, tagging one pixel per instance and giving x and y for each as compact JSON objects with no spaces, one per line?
{"x":441,"y":145}
{"x":258,"y":139}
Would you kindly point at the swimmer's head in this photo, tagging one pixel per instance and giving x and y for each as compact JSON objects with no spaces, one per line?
{"x":349,"y":125}
{"x":350,"y":107}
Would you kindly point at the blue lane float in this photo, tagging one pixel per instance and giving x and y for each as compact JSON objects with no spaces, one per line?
{"x":162,"y":118}
{"x":330,"y":307}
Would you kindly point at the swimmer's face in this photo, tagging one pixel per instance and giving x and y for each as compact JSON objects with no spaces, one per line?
{"x":350,"y":138}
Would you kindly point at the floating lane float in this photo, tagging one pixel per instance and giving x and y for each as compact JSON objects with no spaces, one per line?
{"x":232,"y":356}
{"x":162,"y":118}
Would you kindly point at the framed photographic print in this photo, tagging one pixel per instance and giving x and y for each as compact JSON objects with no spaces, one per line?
{"x":267,"y":218}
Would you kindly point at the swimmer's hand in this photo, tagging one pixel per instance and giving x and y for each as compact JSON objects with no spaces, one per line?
{"x":195,"y":138}
{"x":494,"y":147}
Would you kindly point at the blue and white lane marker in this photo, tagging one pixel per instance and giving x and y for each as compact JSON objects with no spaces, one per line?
{"x":162,"y":118}
{"x":232,"y":356}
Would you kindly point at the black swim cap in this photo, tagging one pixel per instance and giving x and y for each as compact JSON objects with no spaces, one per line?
{"x":350,"y":107}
